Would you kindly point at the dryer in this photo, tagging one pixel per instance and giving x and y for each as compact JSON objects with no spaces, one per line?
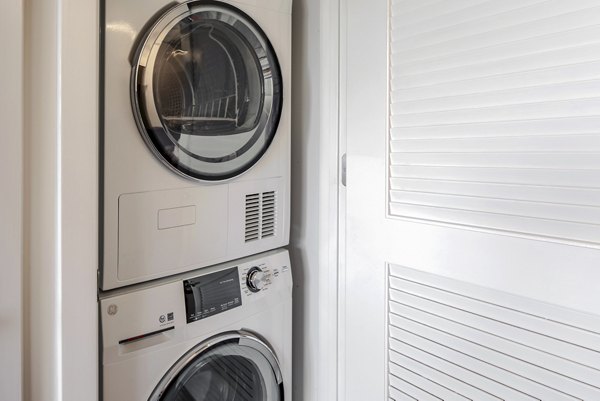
{"x":221,"y":333}
{"x":195,"y":125}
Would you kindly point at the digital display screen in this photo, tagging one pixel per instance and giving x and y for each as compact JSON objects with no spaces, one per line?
{"x":212,"y":294}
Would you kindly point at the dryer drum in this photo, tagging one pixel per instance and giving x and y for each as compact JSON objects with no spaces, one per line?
{"x":206,"y":90}
{"x":210,"y":90}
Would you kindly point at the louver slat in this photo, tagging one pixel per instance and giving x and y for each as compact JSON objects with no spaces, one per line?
{"x":511,"y":24}
{"x":495,"y":115}
{"x":472,"y":341}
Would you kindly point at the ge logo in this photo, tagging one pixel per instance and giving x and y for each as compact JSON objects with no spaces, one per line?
{"x":162,"y":318}
{"x":112,"y":309}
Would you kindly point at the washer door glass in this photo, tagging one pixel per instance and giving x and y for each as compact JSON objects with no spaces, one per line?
{"x":241,"y":368}
{"x":206,"y":90}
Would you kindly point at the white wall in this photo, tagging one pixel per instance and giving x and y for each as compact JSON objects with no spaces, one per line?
{"x":11,"y":182}
{"x":314,"y":197}
{"x":304,"y":239}
{"x":79,"y":198}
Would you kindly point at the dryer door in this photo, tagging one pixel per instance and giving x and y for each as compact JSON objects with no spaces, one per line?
{"x":206,"y":90}
{"x":235,"y":366}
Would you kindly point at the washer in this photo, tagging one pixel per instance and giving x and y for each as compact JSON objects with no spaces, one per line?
{"x":221,"y":333}
{"x":195,"y":124}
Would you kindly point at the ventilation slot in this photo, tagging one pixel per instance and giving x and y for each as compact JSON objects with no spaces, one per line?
{"x":260,"y":215}
{"x":252,"y":217}
{"x":268,"y":215}
{"x":451,"y":340}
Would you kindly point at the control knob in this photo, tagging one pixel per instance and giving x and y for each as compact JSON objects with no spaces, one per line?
{"x":256,"y":279}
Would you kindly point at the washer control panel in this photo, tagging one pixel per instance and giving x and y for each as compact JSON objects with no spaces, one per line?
{"x":150,"y":314}
{"x":211,"y":294}
{"x":256,"y":278}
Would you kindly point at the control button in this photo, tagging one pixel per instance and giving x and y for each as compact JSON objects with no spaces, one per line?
{"x":256,"y":279}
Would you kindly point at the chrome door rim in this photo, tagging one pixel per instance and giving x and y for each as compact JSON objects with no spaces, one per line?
{"x":242,"y":337}
{"x":146,"y":115}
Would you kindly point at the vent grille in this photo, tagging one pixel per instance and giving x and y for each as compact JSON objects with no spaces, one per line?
{"x":455,"y":341}
{"x":261,"y":211}
{"x":268,"y":215}
{"x":252,"y":217}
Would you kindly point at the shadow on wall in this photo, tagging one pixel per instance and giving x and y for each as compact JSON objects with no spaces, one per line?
{"x":305,"y":194}
{"x":298,"y":188}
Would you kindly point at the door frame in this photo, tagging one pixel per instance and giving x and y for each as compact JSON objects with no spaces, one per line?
{"x":61,"y":62}
{"x":331,"y":201}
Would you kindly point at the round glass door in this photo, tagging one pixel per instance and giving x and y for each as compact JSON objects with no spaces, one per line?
{"x":231,"y":367}
{"x":206,"y":90}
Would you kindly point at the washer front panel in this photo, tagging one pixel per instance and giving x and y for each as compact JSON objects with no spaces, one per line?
{"x":206,"y":90}
{"x":148,"y":345}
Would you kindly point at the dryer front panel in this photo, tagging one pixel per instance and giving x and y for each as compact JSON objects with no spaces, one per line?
{"x":206,"y":90}
{"x":167,"y":205}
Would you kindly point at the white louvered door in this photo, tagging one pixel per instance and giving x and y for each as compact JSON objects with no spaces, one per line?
{"x":472,"y":233}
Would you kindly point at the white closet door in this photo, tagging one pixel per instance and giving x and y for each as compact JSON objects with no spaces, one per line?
{"x":472,"y":230}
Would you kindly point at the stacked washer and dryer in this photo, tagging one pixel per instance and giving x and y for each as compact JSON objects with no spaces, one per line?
{"x":195,"y":288}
